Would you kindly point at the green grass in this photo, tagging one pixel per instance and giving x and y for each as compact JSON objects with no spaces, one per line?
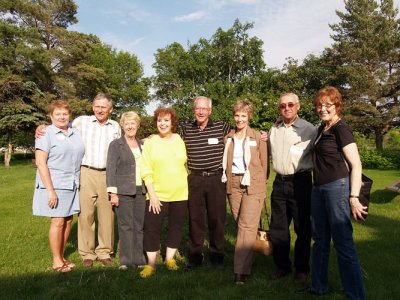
{"x":25,"y":257}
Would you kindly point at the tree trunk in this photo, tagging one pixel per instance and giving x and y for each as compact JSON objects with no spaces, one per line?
{"x":8,"y":153}
{"x":378,"y":140}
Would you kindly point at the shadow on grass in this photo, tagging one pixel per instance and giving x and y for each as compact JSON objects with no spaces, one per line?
{"x":72,"y":245}
{"x":376,"y":240}
{"x":383,"y":196}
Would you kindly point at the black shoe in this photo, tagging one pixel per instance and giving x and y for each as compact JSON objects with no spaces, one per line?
{"x":191,"y":266}
{"x":240,"y":279}
{"x":280,"y":274}
{"x":307,"y":290}
{"x":217,"y":260}
{"x":219,"y":265}
{"x":300,"y":277}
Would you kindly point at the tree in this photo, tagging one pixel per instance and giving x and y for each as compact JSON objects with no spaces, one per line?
{"x":121,"y":76}
{"x":18,"y":110}
{"x":67,"y":64}
{"x":366,"y":51}
{"x":224,"y":68}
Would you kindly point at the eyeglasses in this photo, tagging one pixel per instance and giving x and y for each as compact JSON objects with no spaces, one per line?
{"x":326,"y":105}
{"x":284,"y":105}
{"x":201,"y":109}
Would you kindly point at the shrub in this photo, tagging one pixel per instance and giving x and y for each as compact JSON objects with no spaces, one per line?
{"x":383,"y":160}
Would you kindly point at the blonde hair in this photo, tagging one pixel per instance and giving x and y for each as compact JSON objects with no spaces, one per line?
{"x":129,"y":115}
{"x":244,"y":105}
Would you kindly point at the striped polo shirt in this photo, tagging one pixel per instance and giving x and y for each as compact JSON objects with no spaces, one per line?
{"x":205,"y":148}
{"x":96,"y":137}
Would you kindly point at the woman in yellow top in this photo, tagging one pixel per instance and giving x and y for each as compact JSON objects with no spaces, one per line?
{"x":163,"y":170}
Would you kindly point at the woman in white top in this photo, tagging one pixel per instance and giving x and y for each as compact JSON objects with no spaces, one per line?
{"x":245,"y":173}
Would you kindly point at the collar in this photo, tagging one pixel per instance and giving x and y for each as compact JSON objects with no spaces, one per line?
{"x":209,"y":123}
{"x":294,"y":124}
{"x":249,"y":133}
{"x":94,"y":119}
{"x":57,"y":130}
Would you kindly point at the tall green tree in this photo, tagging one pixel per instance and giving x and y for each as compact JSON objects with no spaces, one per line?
{"x":366,"y":51}
{"x":18,"y":110}
{"x":225,"y":67}
{"x":121,"y":76}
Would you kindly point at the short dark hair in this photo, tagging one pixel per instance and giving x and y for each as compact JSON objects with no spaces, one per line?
{"x":162,"y":111}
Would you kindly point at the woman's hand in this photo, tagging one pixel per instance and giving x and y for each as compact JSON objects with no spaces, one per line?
{"x":114,"y":200}
{"x":357,"y":209}
{"x":52,"y":199}
{"x":155,"y":205}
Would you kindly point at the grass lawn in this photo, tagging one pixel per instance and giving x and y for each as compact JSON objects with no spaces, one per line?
{"x":25,"y":259}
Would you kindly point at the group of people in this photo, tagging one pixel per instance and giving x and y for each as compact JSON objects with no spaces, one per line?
{"x":317,"y":184}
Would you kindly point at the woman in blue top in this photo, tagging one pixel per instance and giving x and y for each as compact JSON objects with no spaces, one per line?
{"x":58,"y":158}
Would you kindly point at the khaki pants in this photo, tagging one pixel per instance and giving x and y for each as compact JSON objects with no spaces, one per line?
{"x":93,"y":193}
{"x":246,"y":210}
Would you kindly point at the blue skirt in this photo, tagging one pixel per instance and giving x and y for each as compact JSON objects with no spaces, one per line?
{"x":68,"y":203}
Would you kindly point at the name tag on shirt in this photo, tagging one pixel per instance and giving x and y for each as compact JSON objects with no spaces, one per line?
{"x":252,"y":143}
{"x":212,"y":141}
{"x":296,"y":150}
{"x":60,"y":137}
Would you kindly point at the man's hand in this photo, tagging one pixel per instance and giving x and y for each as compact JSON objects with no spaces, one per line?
{"x":40,"y":131}
{"x":264,"y":136}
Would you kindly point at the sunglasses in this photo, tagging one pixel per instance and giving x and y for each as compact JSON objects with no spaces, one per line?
{"x":289,"y":105}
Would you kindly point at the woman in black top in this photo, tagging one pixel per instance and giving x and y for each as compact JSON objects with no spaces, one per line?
{"x":337,"y":183}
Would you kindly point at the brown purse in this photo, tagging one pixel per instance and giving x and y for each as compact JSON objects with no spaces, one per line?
{"x":263,"y":243}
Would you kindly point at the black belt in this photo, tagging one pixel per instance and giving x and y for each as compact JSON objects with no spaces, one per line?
{"x":93,"y":168}
{"x":206,"y":173}
{"x":291,"y":176}
{"x":237,"y":174}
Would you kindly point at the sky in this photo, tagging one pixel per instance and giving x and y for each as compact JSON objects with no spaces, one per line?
{"x":288,"y":28}
{"x":292,"y":28}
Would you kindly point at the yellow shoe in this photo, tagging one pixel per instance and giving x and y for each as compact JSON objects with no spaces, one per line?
{"x":147,"y":271}
{"x":171,"y":265}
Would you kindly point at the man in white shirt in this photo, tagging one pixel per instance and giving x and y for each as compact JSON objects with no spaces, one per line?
{"x":291,"y":142}
{"x":97,"y":131}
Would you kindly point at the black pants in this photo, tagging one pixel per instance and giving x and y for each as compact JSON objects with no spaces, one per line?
{"x":290,"y":200}
{"x":130,"y":214}
{"x":207,"y":195}
{"x":176,"y":212}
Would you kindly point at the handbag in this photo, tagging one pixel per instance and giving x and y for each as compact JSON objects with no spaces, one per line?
{"x":263,"y":242}
{"x":365,"y":191}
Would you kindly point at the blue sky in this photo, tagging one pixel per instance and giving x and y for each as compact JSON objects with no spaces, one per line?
{"x":293,"y":28}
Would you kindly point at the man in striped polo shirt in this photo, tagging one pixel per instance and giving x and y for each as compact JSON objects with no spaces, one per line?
{"x":97,"y":131}
{"x":204,"y":139}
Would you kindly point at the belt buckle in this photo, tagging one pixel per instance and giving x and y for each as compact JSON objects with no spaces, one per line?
{"x":204,"y":173}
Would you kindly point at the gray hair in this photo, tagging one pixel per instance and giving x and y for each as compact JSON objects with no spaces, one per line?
{"x":203,"y":97}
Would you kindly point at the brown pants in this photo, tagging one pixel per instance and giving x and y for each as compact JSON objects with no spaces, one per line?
{"x":246,"y":210}
{"x":93,"y":193}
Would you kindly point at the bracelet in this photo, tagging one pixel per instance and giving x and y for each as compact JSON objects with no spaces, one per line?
{"x":354,"y":196}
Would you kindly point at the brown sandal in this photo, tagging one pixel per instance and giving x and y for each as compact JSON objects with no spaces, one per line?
{"x":69,"y":264}
{"x":62,"y":269}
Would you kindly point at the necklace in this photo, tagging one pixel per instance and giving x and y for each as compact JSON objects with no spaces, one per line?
{"x":240,"y":134}
{"x":331,"y":124}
